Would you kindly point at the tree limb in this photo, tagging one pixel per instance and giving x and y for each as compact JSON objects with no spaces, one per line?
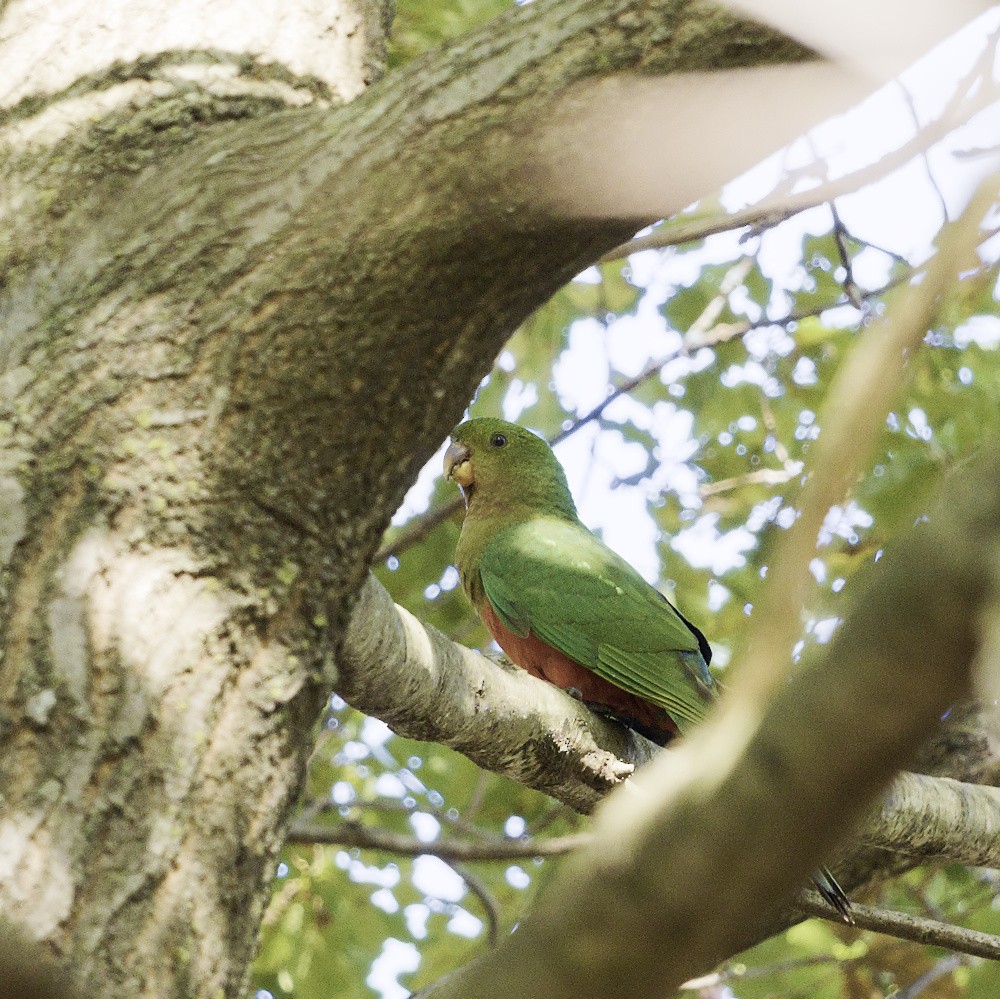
{"x":700,"y":861}
{"x":907,"y":927}
{"x":926,"y":818}
{"x":426,"y":687}
{"x":371,"y":837}
{"x":935,"y":817}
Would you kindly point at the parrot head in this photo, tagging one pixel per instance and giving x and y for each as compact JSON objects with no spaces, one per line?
{"x":500,"y":463}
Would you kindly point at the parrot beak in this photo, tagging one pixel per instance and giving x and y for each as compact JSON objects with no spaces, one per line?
{"x":457,"y":465}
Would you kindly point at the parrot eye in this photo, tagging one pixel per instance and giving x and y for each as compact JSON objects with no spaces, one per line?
{"x":498,"y":440}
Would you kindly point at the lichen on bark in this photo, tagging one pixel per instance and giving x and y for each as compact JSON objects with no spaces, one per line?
{"x":236,"y":320}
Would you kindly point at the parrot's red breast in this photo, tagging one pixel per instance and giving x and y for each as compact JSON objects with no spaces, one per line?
{"x":548,"y":663}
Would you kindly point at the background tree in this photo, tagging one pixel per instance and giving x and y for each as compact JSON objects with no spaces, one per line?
{"x":246,"y":293}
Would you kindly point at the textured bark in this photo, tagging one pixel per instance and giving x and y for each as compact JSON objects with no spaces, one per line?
{"x":426,"y":687}
{"x":935,"y":817}
{"x":236,"y":320}
{"x":154,"y":705}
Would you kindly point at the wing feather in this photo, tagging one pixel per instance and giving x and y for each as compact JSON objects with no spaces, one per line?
{"x":556,"y":580}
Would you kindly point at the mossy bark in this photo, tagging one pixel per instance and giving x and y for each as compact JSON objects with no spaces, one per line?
{"x":238,"y":315}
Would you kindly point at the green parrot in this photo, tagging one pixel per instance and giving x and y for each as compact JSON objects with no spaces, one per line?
{"x":564,"y":606}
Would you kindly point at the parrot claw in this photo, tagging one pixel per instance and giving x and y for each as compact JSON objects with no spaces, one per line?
{"x":574,"y":692}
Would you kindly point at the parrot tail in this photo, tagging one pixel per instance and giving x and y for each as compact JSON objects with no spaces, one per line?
{"x":826,"y":885}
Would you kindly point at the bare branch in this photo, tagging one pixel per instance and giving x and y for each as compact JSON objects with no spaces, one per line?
{"x":418,"y":681}
{"x":478,"y":888}
{"x":417,"y":530}
{"x":906,"y":927}
{"x":377,"y":838}
{"x":840,"y":236}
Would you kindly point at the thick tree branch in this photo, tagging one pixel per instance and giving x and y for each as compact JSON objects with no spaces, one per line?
{"x":418,"y":681}
{"x":938,"y":818}
{"x":922,"y":817}
{"x":694,"y":851}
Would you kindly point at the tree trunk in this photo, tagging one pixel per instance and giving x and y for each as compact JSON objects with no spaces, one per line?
{"x":157,"y":689}
{"x":237,"y":318}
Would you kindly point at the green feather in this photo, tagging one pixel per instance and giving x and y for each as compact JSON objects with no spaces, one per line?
{"x":552,"y":577}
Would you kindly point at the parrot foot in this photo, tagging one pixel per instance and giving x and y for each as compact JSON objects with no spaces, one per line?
{"x":574,"y":692}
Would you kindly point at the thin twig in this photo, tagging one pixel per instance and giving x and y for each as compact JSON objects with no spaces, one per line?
{"x":900,"y":258}
{"x":896,"y":924}
{"x":707,"y":321}
{"x":759,"y":476}
{"x":976,"y":152}
{"x":921,"y":816}
{"x":376,"y":838}
{"x":478,"y":888}
{"x":459,"y":822}
{"x":687,"y":230}
{"x":840,"y":234}
{"x":911,"y":104}
{"x":417,"y":530}
{"x":919,"y":929}
{"x":452,"y":852}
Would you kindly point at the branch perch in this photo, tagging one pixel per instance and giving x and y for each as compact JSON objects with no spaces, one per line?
{"x":425,"y":686}
{"x":907,"y":927}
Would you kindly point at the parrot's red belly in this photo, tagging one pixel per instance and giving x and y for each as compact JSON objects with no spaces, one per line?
{"x":548,"y":663}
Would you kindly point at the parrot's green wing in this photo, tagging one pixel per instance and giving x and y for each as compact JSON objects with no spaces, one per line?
{"x":553,"y":578}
